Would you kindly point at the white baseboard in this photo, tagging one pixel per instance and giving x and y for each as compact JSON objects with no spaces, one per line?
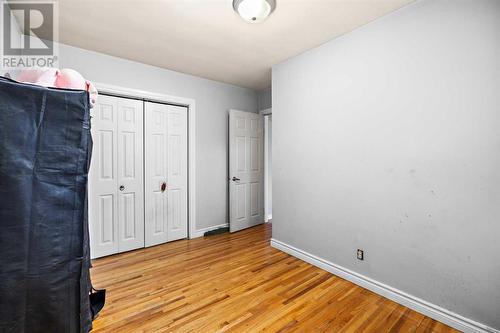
{"x":200,"y":232}
{"x":431,"y":310}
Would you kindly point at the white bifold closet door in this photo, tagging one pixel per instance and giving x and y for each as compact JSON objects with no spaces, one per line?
{"x":116,"y":201}
{"x":165,"y":173}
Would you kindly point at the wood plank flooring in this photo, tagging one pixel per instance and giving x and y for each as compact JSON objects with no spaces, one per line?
{"x":238,"y":283}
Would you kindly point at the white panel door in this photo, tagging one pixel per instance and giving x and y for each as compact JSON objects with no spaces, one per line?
{"x":116,"y":203}
{"x":166,"y":173}
{"x":103,"y":179}
{"x":177,"y":220}
{"x":130,"y":174}
{"x":246,"y":170}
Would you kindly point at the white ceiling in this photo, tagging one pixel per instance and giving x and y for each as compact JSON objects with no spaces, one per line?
{"x":206,"y":37}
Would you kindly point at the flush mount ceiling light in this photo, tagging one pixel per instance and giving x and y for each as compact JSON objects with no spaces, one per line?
{"x":254,"y":10}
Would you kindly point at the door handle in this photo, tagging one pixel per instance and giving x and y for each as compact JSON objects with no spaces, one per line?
{"x":163,"y":187}
{"x":236,"y":179}
{"x":122,"y":187}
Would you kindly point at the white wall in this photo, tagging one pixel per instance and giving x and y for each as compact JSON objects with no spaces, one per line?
{"x":388,"y":139}
{"x":213,"y":100}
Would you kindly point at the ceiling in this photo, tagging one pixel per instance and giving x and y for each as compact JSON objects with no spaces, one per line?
{"x":206,"y":37}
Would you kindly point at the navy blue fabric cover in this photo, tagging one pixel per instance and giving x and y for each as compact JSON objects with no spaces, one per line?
{"x":45,"y":148}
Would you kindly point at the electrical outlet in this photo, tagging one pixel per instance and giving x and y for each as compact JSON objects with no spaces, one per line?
{"x":360,"y":254}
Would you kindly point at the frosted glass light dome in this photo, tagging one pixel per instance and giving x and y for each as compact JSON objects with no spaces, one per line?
{"x":254,"y":10}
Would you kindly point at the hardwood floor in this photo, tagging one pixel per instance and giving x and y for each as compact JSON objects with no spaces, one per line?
{"x":238,"y":283}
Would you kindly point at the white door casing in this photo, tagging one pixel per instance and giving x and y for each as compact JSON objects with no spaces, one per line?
{"x":116,"y":217}
{"x":246,"y":170}
{"x":166,"y":163}
{"x":268,"y":200}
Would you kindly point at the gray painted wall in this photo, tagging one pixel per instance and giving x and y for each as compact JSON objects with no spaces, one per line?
{"x":388,"y":139}
{"x":213,"y":100}
{"x":264,"y":98}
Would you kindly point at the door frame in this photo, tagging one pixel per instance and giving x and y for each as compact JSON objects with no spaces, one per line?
{"x":266,"y":113}
{"x":190,"y":103}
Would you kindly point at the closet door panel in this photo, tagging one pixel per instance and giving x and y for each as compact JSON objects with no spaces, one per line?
{"x":177,"y":172}
{"x":103,"y":179}
{"x":156,"y":149}
{"x":138,"y":184}
{"x":130,"y":174}
{"x":166,"y":164}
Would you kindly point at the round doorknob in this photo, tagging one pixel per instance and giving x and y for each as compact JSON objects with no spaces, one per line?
{"x":122,"y":187}
{"x":163,"y":187}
